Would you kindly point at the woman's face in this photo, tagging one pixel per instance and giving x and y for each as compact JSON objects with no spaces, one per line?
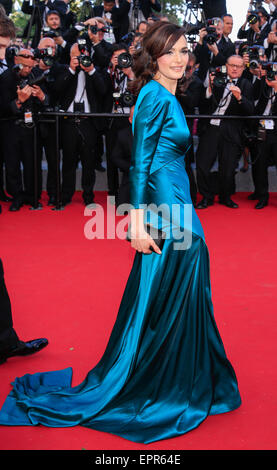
{"x":172,"y":65}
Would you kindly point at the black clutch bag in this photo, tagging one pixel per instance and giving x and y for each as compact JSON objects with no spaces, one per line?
{"x":155,"y":233}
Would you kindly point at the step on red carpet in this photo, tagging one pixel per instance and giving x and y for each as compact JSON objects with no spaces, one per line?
{"x":67,"y":288}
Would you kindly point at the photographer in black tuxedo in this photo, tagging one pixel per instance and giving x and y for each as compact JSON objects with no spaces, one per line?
{"x":7,"y":34}
{"x":115,"y":14}
{"x":212,"y":49}
{"x":47,"y":65}
{"x":259,"y":27}
{"x":80,"y":88}
{"x":118,"y":77}
{"x":263,"y":141}
{"x":121,"y":158}
{"x":64,"y":39}
{"x":227,"y":94}
{"x":100,"y":49}
{"x":189,"y":101}
{"x":20,"y":98}
{"x":40,"y":9}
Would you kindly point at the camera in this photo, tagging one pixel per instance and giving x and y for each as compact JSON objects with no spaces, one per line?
{"x":220,"y":76}
{"x":105,"y":29}
{"x":46,"y":55}
{"x":51,"y":33}
{"x":212,"y":36}
{"x":128,"y":38}
{"x":84,"y":59}
{"x":255,"y":53}
{"x":271,"y":70}
{"x":125,"y":60}
{"x":31,"y":80}
{"x":12,"y":51}
{"x":124,"y":100}
{"x":253,"y":18}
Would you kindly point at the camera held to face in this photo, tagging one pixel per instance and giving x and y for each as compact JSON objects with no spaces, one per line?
{"x":84,"y":59}
{"x":124,"y":60}
{"x":255,"y":53}
{"x":46,"y":55}
{"x":271,"y":70}
{"x":51,"y":33}
{"x":220,"y":76}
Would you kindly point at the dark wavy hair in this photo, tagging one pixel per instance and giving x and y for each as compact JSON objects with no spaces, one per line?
{"x":156,"y":41}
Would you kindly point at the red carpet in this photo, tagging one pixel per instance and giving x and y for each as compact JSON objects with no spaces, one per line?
{"x":68,"y":289}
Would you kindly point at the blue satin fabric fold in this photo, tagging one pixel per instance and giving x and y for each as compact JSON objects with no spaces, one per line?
{"x":164,"y":369}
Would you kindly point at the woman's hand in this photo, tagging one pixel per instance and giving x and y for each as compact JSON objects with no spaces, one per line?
{"x":142,"y":243}
{"x":140,"y":239}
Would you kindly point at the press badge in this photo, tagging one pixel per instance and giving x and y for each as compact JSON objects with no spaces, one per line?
{"x":269,"y":124}
{"x":28,"y":117}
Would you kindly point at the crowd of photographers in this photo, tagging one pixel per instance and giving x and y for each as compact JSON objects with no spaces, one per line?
{"x":83,"y":64}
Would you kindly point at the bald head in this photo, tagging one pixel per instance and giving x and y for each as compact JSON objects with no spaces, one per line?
{"x":25,"y":58}
{"x":46,"y":42}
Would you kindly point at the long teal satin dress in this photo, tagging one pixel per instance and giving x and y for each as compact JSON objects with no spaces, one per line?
{"x":164,"y":369}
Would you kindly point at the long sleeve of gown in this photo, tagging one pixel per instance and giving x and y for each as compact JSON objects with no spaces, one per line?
{"x":147,"y":126}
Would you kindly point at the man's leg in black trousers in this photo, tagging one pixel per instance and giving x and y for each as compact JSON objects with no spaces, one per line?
{"x":32,"y":186}
{"x":205,"y":158}
{"x":70,"y":148}
{"x":229,"y":154}
{"x":258,"y":153}
{"x":48,"y":137}
{"x":10,"y":344}
{"x":8,"y":336}
{"x":112,"y":170}
{"x":88,"y":149}
{"x":12,"y":150}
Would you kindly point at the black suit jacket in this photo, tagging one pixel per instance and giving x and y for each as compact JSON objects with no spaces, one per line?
{"x":120,"y":19}
{"x":9,"y":81}
{"x":121,"y":158}
{"x":248,"y":34}
{"x":65,"y":87}
{"x":233,"y":129}
{"x":262,"y":93}
{"x":191,"y":98}
{"x":203,"y":56}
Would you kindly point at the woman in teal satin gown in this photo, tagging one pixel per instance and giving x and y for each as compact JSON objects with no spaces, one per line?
{"x":164,"y":369}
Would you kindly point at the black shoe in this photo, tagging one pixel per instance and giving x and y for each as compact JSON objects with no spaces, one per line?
{"x":24,"y":349}
{"x":4,"y":197}
{"x":0,"y":209}
{"x":261,"y":204}
{"x":15,"y":205}
{"x":228,"y":203}
{"x":52,"y":201}
{"x":204,"y":203}
{"x":252,"y":197}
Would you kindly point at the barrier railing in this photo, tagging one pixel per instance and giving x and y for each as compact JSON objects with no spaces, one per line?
{"x":55,"y":119}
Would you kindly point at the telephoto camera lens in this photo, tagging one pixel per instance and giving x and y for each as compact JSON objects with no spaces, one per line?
{"x":125,"y":60}
{"x":85,"y":60}
{"x":128,"y":99}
